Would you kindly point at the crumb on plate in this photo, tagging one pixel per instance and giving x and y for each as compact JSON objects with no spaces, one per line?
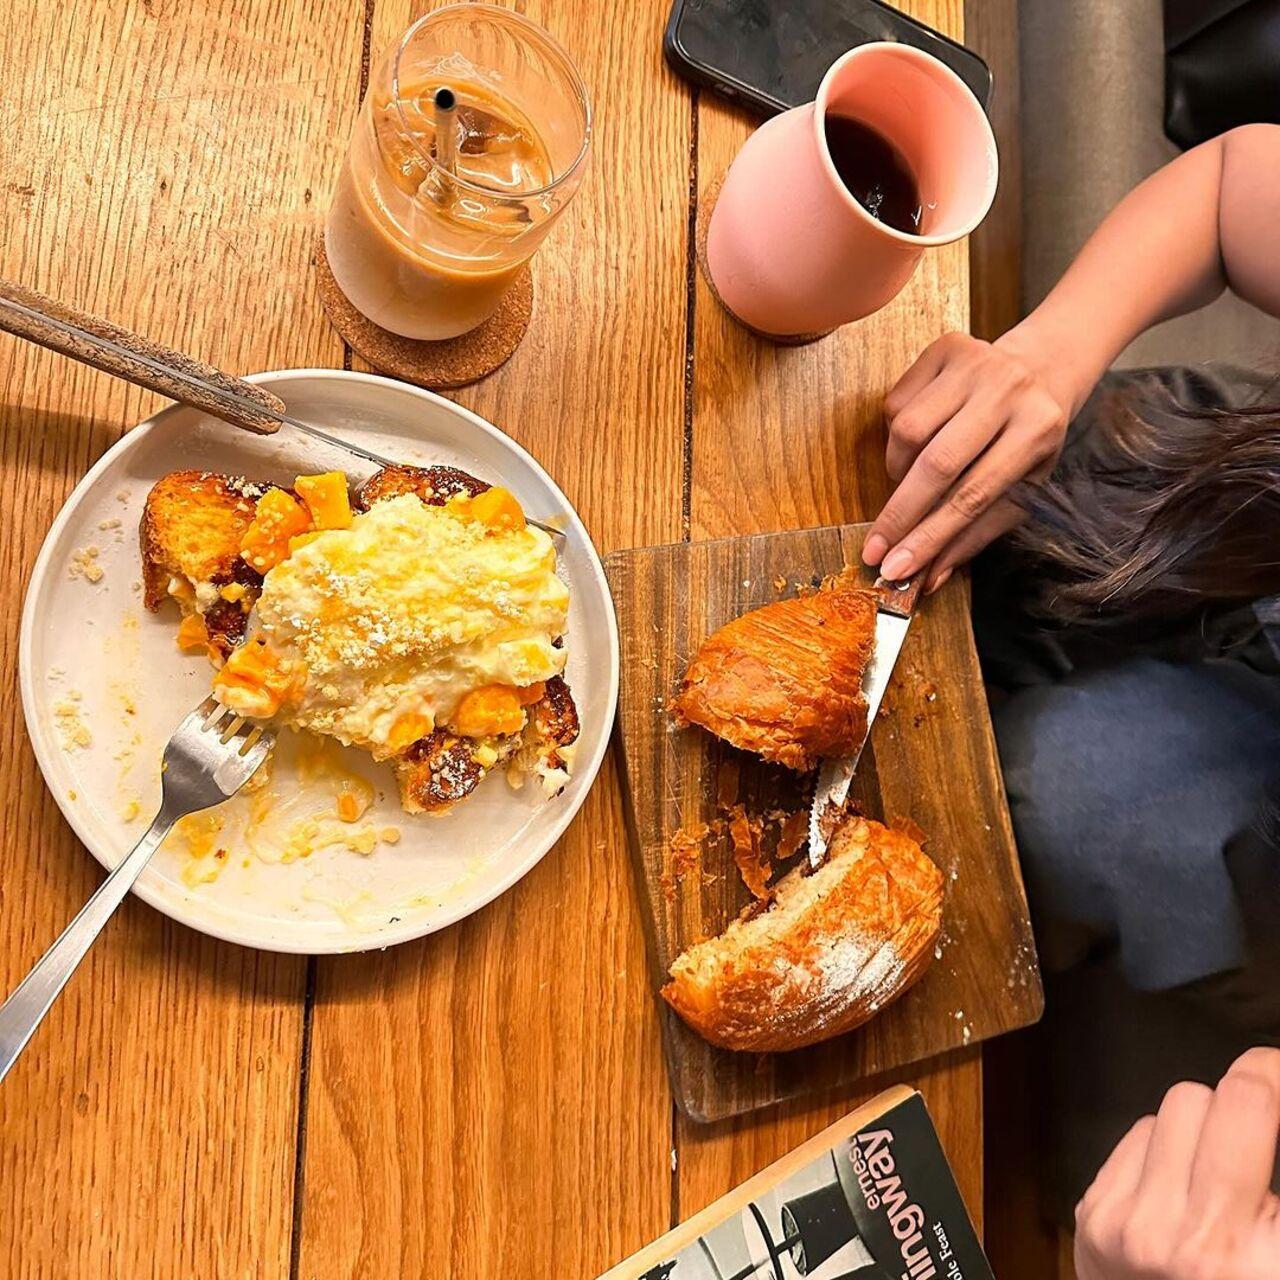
{"x":73,"y":733}
{"x":84,"y":564}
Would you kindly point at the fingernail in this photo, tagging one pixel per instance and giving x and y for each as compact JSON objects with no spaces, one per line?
{"x":941,"y":582}
{"x":896,"y":565}
{"x":874,"y":548}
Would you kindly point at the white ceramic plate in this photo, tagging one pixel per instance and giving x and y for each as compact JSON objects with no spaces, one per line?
{"x":92,"y":656}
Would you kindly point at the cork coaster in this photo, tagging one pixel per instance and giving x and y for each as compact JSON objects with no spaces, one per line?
{"x":434,"y":365}
{"x":706,"y":206}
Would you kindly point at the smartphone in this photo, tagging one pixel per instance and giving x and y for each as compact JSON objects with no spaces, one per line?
{"x":772,"y":54}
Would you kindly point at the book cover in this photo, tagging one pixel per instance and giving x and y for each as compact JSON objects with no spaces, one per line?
{"x":870,"y":1198}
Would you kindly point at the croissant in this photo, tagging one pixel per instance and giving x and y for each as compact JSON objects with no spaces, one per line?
{"x":831,"y":949}
{"x":785,"y":680}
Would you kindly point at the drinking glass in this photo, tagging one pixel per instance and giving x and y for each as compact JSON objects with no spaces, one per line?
{"x":425,"y":235}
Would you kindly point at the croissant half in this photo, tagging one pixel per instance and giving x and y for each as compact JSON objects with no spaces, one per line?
{"x":785,"y":680}
{"x":833,"y":947}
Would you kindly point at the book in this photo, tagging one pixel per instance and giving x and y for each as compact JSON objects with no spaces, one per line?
{"x":870,"y":1198}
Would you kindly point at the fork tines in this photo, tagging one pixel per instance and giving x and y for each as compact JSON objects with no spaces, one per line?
{"x":216,"y":718}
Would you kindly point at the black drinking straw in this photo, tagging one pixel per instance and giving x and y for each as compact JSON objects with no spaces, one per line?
{"x":446,"y":105}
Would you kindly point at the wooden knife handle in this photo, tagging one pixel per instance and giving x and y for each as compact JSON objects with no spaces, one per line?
{"x":97,"y":342}
{"x":901,"y":598}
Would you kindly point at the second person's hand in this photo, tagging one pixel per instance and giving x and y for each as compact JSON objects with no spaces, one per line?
{"x":1187,"y":1193}
{"x":967,"y":422}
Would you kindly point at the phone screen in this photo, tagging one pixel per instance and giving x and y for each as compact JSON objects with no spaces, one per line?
{"x":779,"y":50}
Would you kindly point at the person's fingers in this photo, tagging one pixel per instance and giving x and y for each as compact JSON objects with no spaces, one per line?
{"x":1166,"y":1172}
{"x":1233,"y":1165}
{"x":914,"y":426}
{"x":927,"y":365}
{"x":1102,"y":1213}
{"x":1014,"y":453}
{"x":1003,"y":516}
{"x":937,"y":579}
{"x":1117,"y":1181}
{"x":1122,"y":1170}
{"x":939,"y":465}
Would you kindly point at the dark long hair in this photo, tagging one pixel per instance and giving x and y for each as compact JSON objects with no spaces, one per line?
{"x":1160,"y":511}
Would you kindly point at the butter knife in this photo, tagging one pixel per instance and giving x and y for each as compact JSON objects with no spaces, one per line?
{"x":106,"y":346}
{"x":893,"y":620}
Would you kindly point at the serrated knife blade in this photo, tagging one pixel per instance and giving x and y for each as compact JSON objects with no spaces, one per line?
{"x":893,"y":621}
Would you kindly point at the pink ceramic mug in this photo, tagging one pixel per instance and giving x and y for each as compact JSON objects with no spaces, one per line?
{"x":790,"y":251}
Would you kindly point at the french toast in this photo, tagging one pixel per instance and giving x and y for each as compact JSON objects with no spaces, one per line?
{"x":210,"y":541}
{"x":434,"y":485}
{"x":192,"y":527}
{"x":439,"y":770}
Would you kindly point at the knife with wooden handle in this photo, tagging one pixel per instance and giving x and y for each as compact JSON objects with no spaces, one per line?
{"x":893,"y":620}
{"x":106,"y":346}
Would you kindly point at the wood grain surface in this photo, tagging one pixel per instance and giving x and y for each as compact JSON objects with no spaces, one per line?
{"x":491,"y":1101}
{"x":159,"y":159}
{"x":787,"y":437}
{"x":502,"y":1109}
{"x":930,"y":759}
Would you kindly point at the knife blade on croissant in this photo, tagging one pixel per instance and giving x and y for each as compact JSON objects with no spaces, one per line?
{"x":893,"y":619}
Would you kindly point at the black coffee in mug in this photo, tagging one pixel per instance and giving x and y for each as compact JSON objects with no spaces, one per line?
{"x":875,"y":173}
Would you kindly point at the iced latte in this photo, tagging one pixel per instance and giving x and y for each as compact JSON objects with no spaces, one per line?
{"x":436,"y":211}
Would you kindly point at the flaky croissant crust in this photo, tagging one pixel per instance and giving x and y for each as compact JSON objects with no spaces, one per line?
{"x":831,"y":951}
{"x":785,"y":680}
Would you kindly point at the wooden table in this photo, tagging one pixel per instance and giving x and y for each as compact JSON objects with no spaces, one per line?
{"x":490,"y":1101}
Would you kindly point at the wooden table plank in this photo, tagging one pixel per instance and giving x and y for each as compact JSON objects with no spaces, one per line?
{"x":790,"y":437}
{"x":158,"y":160}
{"x":491,"y":1101}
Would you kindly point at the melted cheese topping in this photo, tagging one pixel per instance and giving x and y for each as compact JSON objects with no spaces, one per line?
{"x":405,"y":613}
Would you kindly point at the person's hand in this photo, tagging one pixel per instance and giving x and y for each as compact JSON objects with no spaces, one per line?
{"x":966,"y":422}
{"x":1187,"y":1193}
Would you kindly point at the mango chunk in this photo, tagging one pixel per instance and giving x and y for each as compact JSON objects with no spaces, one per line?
{"x":532,"y":693}
{"x":255,"y":680}
{"x":350,"y":806}
{"x":494,"y":710}
{"x":407,"y":730}
{"x":325,"y":497}
{"x":193,"y":634}
{"x":277,"y":517}
{"x":497,"y":508}
{"x":301,"y":539}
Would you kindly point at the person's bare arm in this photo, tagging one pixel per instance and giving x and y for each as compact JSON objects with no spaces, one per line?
{"x":1249,"y":217}
{"x":970,"y":419}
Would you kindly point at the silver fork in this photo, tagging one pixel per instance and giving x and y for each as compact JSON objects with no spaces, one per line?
{"x":211,"y":755}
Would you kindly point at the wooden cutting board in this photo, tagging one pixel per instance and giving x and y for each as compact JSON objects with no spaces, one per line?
{"x":931,"y":758}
